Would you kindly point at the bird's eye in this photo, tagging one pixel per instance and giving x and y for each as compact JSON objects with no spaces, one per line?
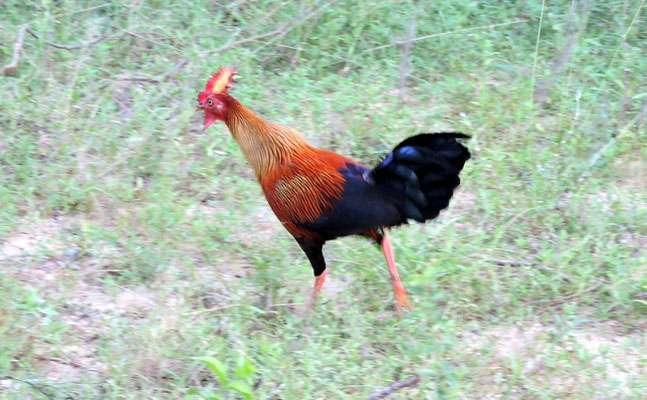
{"x":210,"y":102}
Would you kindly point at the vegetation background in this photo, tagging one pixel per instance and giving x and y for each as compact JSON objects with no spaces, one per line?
{"x":134,"y":243}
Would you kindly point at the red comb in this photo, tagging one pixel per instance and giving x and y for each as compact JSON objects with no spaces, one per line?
{"x":219,"y":83}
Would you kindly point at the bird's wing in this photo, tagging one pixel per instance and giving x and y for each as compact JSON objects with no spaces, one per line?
{"x":331,"y":200}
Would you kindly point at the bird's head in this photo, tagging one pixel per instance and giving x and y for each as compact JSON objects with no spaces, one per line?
{"x":214,"y":98}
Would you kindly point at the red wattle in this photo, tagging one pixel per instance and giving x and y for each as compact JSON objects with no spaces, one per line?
{"x":208,"y":120}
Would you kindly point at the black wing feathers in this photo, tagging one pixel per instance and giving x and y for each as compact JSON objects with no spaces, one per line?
{"x":421,"y":173}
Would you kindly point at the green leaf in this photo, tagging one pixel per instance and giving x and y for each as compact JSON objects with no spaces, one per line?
{"x":217,"y":366}
{"x":193,"y":394}
{"x":210,"y":396}
{"x":244,"y":368}
{"x":242,"y":389}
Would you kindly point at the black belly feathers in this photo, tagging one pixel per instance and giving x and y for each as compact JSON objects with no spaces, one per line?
{"x":421,"y":173}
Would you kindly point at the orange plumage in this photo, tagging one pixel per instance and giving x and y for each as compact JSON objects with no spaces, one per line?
{"x":305,"y":188}
{"x":319,"y":195}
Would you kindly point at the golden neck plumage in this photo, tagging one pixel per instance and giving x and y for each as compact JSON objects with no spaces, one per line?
{"x":266,"y":145}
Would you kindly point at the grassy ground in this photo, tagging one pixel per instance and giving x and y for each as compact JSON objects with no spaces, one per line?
{"x":133,"y":242}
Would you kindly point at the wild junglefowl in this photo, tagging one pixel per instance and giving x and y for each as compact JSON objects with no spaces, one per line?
{"x":319,"y":195}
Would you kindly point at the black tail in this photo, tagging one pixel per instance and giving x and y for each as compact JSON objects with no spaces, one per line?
{"x":420,"y":174}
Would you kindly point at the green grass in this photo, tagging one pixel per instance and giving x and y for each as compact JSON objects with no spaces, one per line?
{"x":133,"y":243}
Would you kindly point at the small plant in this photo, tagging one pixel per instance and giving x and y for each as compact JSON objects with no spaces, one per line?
{"x":240,"y":383}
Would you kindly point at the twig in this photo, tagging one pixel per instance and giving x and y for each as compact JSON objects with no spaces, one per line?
{"x":542,"y":87}
{"x":212,"y":309}
{"x":82,"y":10}
{"x":74,"y":46}
{"x":534,"y":62}
{"x":168,"y":75}
{"x":144,"y":38}
{"x":559,"y":300}
{"x":519,"y":215}
{"x":238,"y":305}
{"x":250,"y":39}
{"x":100,"y":39}
{"x":179,"y":65}
{"x":512,"y":263}
{"x":75,"y":364}
{"x":624,"y":36}
{"x":406,"y":55}
{"x":35,"y":386}
{"x":598,"y":154}
{"x":595,"y":157}
{"x":287,"y":28}
{"x":519,"y":263}
{"x":394,"y":387}
{"x":10,"y":68}
{"x":640,"y":116}
{"x":137,"y":79}
{"x":476,"y":28}
{"x":637,"y":119}
{"x":286,"y":305}
{"x":126,"y":10}
{"x":285,"y":46}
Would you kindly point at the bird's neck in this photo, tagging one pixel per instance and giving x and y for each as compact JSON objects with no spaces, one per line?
{"x":266,"y":145}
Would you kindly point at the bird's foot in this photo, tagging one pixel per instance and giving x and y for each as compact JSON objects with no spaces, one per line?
{"x":312,"y":298}
{"x":401,"y":301}
{"x":310,"y":302}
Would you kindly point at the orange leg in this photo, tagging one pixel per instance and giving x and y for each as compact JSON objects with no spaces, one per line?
{"x":319,"y":281}
{"x":398,"y":289}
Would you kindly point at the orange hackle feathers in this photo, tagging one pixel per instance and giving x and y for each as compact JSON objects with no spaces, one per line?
{"x":266,"y":145}
{"x":219,"y":82}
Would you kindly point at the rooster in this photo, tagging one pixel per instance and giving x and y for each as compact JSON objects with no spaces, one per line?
{"x":319,"y":195}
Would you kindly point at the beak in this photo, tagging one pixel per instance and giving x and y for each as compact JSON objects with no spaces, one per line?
{"x":199,"y":107}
